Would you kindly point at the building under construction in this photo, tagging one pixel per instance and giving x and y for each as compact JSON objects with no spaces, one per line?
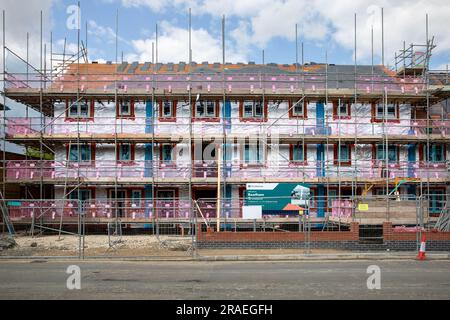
{"x":137,"y":142}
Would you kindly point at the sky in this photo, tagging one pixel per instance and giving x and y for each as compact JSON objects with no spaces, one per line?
{"x":326,"y":29}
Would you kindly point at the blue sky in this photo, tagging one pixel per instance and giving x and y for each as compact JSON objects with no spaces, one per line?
{"x":251,"y":26}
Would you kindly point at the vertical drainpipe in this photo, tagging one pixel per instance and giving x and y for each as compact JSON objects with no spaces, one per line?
{"x":148,"y":165}
{"x":320,"y":118}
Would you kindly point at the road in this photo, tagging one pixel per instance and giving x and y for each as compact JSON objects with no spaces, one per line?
{"x":42,"y":279}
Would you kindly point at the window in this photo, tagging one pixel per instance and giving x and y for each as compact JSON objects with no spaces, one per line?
{"x":392,"y":153}
{"x":167,"y":109}
{"x":436,"y":153}
{"x":136,"y":197}
{"x":125,"y":109}
{"x":85,"y":195}
{"x":253,"y":153}
{"x":80,"y":109}
{"x":253,"y":109}
{"x":342,"y":154}
{"x":298,"y":153}
{"x":437,"y":201}
{"x":83,"y":153}
{"x":391,"y":111}
{"x":342,"y":110}
{"x":298,"y":110}
{"x":125,"y":152}
{"x":166,"y":152}
{"x":205,"y":109}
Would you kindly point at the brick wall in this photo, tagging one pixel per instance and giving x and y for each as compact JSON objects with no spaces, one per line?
{"x":250,"y":236}
{"x":347,"y":240}
{"x":406,"y":241}
{"x":390,"y":235}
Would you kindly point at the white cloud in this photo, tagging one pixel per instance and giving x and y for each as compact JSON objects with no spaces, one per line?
{"x":155,"y":5}
{"x":21,"y":19}
{"x":173,"y":46}
{"x":102,"y":33}
{"x":325,"y":22}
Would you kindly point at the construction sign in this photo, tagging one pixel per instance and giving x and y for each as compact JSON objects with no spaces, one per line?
{"x":363,"y":207}
{"x":278,"y":198}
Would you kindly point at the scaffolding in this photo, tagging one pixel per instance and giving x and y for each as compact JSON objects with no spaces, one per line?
{"x":72,"y":80}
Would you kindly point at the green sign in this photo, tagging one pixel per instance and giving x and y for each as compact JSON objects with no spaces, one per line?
{"x":14,"y":203}
{"x":278,"y":198}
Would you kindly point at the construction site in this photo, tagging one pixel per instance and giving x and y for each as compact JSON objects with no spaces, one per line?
{"x":218,"y":155}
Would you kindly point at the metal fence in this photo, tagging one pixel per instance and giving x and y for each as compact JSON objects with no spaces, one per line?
{"x":187,"y":228}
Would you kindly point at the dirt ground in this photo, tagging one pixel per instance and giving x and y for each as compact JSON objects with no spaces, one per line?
{"x":98,"y":245}
{"x":129,"y":246}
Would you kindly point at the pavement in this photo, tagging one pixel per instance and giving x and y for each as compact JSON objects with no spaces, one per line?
{"x":243,"y":256}
{"x":184,"y":280}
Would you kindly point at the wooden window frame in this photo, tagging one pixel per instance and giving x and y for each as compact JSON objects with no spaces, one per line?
{"x":173,"y":161}
{"x":336,"y":161}
{"x":216,"y":117}
{"x":90,"y":118}
{"x":443,"y":189}
{"x":375,"y":151}
{"x":336,"y":113}
{"x":176,"y":192}
{"x":423,"y":161}
{"x":264,"y":118}
{"x":378,"y":120}
{"x":173,"y":117}
{"x":86,"y":163}
{"x":132,"y":154}
{"x":304,"y":162}
{"x":131,"y":116}
{"x":90,"y":189}
{"x":292,"y":115}
{"x":243,"y":162}
{"x":141,"y":197}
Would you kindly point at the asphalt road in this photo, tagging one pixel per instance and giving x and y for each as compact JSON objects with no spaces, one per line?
{"x":225,"y":280}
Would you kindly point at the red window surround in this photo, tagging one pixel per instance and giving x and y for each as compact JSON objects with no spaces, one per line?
{"x":252,"y":165}
{"x":177,"y":191}
{"x":159,"y":211}
{"x":128,"y":193}
{"x":173,"y":118}
{"x":422,"y":148}
{"x":241,"y":112}
{"x":336,"y":115}
{"x":342,"y":163}
{"x":206,"y":119}
{"x":305,"y":110}
{"x":374,"y":114}
{"x":173,"y":164}
{"x":132,"y":154}
{"x":68,"y":118}
{"x":305,"y":153}
{"x":131,"y":116}
{"x":374,"y":155}
{"x":92,"y":189}
{"x":93,"y":149}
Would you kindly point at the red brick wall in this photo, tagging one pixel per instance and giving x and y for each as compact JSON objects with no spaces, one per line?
{"x":245,"y":236}
{"x":389,"y":234}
